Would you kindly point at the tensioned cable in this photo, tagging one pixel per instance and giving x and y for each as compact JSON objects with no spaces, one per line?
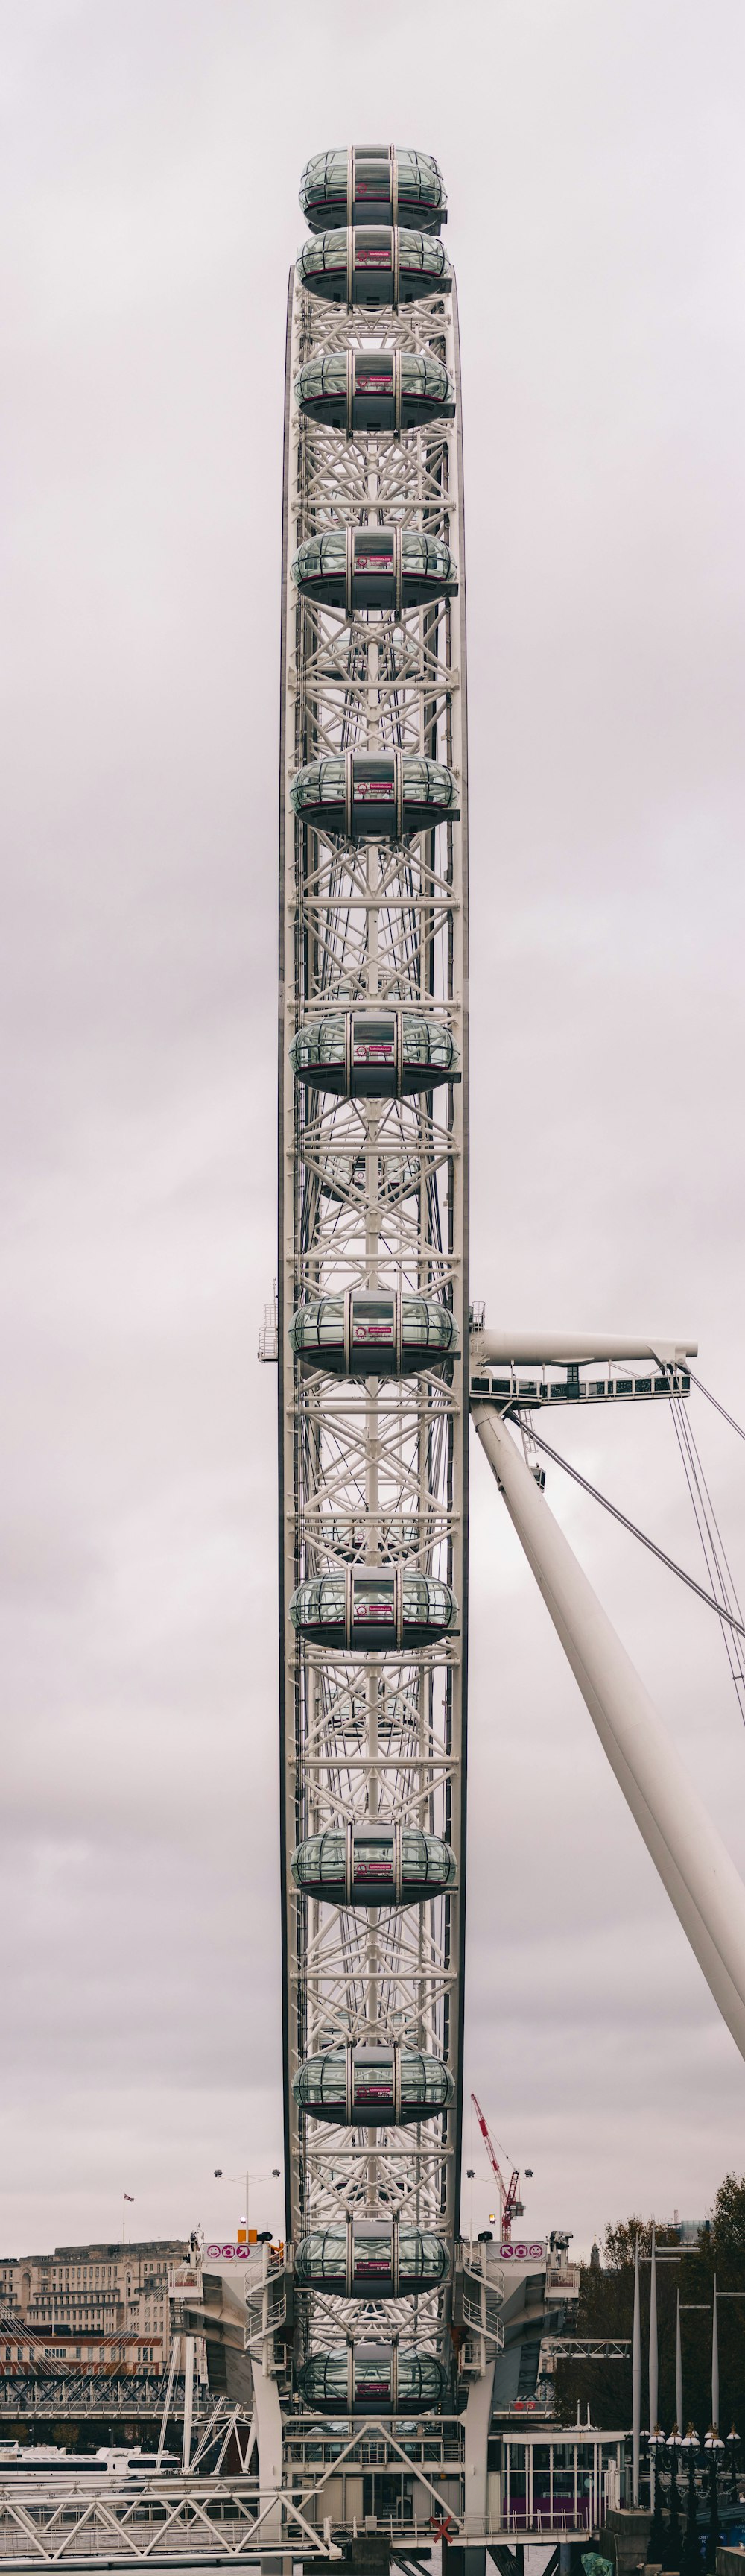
{"x":718,"y":1408}
{"x":651,"y":1543}
{"x":717,"y":1565}
{"x":714,"y":1551}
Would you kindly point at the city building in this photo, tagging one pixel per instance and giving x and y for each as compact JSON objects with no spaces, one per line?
{"x":93,"y":2291}
{"x":34,"y":2352}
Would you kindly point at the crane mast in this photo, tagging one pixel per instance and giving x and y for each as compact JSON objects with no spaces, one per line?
{"x":510,"y":2204}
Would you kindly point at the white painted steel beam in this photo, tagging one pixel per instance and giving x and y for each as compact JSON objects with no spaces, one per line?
{"x":696,"y":1869}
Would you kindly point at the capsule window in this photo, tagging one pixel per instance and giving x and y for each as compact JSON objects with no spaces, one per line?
{"x":373,"y":1857}
{"x":372,"y":179}
{"x":373,"y":376}
{"x":373,"y":247}
{"x":373,"y":549}
{"x":373,"y":1597}
{"x":373,"y":781}
{"x":373,"y":1320}
{"x":372,"y":2257}
{"x":373,"y":1041}
{"x":373,"y":2080}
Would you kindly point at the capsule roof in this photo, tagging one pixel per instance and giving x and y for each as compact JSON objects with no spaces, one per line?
{"x":363,"y":389}
{"x":366,"y":1334}
{"x":373,"y":1864}
{"x":385,"y":568}
{"x":374,"y":1054}
{"x":384,"y":183}
{"x":370,"y":265}
{"x":375,"y":795}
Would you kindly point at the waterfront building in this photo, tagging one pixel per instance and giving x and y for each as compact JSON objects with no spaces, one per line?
{"x":84,"y":2293}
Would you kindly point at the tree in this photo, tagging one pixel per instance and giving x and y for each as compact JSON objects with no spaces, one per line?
{"x":606,"y":2308}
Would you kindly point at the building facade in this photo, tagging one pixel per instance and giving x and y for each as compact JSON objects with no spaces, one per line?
{"x":92,"y":2291}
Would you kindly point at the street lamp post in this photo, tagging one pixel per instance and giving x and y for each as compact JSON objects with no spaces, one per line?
{"x":245,"y":2177}
{"x":691,"y":2554}
{"x":713,"y":2445}
{"x":656,"y":2542}
{"x":673,"y":2548}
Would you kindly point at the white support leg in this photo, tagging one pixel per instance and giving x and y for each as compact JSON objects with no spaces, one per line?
{"x":268,"y":2419}
{"x":188,"y":2399}
{"x":701,"y":1879}
{"x":169,"y":2394}
{"x":478,"y":2418}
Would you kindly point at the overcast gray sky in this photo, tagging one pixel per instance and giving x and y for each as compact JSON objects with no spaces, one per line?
{"x":151,"y":153}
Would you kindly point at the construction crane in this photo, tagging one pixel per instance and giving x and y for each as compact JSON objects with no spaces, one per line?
{"x":510,"y":2206}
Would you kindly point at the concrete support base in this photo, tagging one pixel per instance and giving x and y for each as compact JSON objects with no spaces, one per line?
{"x":629,"y":2533}
{"x":369,"y":2554}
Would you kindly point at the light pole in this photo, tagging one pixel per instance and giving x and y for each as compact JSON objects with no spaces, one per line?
{"x":245,"y":2177}
{"x":636,"y":2383}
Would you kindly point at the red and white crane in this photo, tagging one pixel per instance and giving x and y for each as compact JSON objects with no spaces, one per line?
{"x":510,"y":2205}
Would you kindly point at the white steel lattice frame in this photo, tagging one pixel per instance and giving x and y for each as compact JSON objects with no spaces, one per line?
{"x":372,"y":1194}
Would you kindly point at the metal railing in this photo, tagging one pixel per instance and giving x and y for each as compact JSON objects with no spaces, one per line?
{"x":564,"y":2277}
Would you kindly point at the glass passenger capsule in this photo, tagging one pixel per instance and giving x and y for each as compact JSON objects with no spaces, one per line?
{"x":374,"y":2258}
{"x":358,"y":1334}
{"x":364,"y":389}
{"x":373,"y":2086}
{"x":374,"y":1610}
{"x":374,"y":1055}
{"x":375,"y":796}
{"x":373,"y":1864}
{"x":368,"y":265}
{"x":372,"y":2379}
{"x":387,"y":568}
{"x":382,"y":183}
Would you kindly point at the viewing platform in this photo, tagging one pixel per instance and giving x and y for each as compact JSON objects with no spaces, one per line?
{"x":509,"y":1388}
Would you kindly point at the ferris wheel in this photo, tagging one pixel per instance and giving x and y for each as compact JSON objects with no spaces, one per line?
{"x":373,"y":1325}
{"x":376,"y":2307}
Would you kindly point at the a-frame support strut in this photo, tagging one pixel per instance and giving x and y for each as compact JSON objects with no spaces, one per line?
{"x":695,"y":1868}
